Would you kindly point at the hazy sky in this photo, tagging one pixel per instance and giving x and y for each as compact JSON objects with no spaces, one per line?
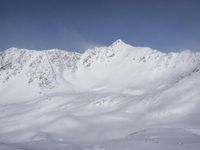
{"x":166,"y":25}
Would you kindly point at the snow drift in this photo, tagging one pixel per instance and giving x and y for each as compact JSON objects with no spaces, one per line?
{"x":115,"y":97}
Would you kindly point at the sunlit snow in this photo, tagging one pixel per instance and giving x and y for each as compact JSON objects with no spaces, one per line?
{"x":118,"y":97}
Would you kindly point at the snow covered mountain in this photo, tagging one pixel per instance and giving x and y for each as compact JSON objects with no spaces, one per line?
{"x":99,"y":68}
{"x":107,"y":98}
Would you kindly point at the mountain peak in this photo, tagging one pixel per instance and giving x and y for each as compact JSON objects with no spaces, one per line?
{"x":118,"y":42}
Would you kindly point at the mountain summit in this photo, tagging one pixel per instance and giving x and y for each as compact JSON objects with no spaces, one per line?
{"x":118,"y":42}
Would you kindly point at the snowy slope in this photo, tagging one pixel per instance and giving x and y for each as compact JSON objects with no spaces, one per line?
{"x":107,"y":98}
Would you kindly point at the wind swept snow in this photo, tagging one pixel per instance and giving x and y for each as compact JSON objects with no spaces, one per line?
{"x":118,"y":97}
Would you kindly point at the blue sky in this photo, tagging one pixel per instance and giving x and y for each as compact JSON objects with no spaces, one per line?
{"x":167,"y":25}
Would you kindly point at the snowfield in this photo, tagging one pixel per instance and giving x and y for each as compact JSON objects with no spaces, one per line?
{"x":118,"y":97}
